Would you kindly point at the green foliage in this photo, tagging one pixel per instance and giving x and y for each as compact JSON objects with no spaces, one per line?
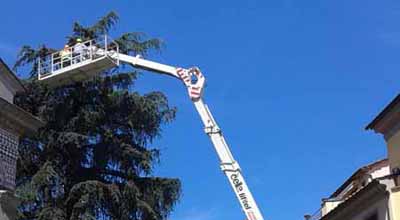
{"x":134,"y":43}
{"x":28,"y":55}
{"x":103,"y":26}
{"x":92,"y":160}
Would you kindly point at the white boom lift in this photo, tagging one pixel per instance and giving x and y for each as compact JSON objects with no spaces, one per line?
{"x":60,"y":69}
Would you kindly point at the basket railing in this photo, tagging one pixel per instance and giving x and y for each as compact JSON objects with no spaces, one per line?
{"x":77,"y":54}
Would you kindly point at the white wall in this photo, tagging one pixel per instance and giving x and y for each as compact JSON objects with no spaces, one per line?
{"x":384,"y":171}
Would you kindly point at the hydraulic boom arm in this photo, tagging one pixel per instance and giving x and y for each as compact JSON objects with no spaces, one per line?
{"x":194,"y":81}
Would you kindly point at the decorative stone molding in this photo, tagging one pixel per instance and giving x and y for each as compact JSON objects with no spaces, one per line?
{"x":387,"y":123}
{"x":16,"y":120}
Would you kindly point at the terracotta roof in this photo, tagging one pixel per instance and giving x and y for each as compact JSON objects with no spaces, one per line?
{"x":363,"y":170}
{"x":374,"y":190}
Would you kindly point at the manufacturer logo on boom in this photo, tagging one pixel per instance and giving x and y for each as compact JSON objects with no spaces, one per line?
{"x":239,"y":188}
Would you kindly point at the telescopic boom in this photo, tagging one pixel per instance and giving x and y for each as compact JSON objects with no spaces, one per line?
{"x":194,"y":81}
{"x":57,"y":69}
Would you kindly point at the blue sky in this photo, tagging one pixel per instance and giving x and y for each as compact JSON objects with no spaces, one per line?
{"x":291,"y":83}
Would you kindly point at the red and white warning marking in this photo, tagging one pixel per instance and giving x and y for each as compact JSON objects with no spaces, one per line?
{"x":195,"y":89}
{"x":251,"y":215}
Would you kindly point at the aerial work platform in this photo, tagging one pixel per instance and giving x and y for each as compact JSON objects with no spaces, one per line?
{"x":82,"y":63}
{"x":79,"y":62}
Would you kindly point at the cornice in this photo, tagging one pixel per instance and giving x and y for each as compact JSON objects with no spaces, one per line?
{"x":17,"y":121}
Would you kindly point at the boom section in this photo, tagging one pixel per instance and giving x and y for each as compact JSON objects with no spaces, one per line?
{"x":194,"y":82}
{"x":139,"y":62}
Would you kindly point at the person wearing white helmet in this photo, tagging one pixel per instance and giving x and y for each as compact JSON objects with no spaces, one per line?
{"x":80,"y":50}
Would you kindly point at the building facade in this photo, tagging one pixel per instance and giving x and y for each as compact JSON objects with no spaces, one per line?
{"x":14,"y":123}
{"x":373,"y":191}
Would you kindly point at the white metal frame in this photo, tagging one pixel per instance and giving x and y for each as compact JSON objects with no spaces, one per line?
{"x":194,"y":82}
{"x":56,"y":63}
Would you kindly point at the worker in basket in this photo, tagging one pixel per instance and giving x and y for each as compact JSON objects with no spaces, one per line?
{"x":65,"y":56}
{"x":81,"y":51}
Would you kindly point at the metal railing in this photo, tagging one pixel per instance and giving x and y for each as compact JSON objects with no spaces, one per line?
{"x":77,"y":54}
